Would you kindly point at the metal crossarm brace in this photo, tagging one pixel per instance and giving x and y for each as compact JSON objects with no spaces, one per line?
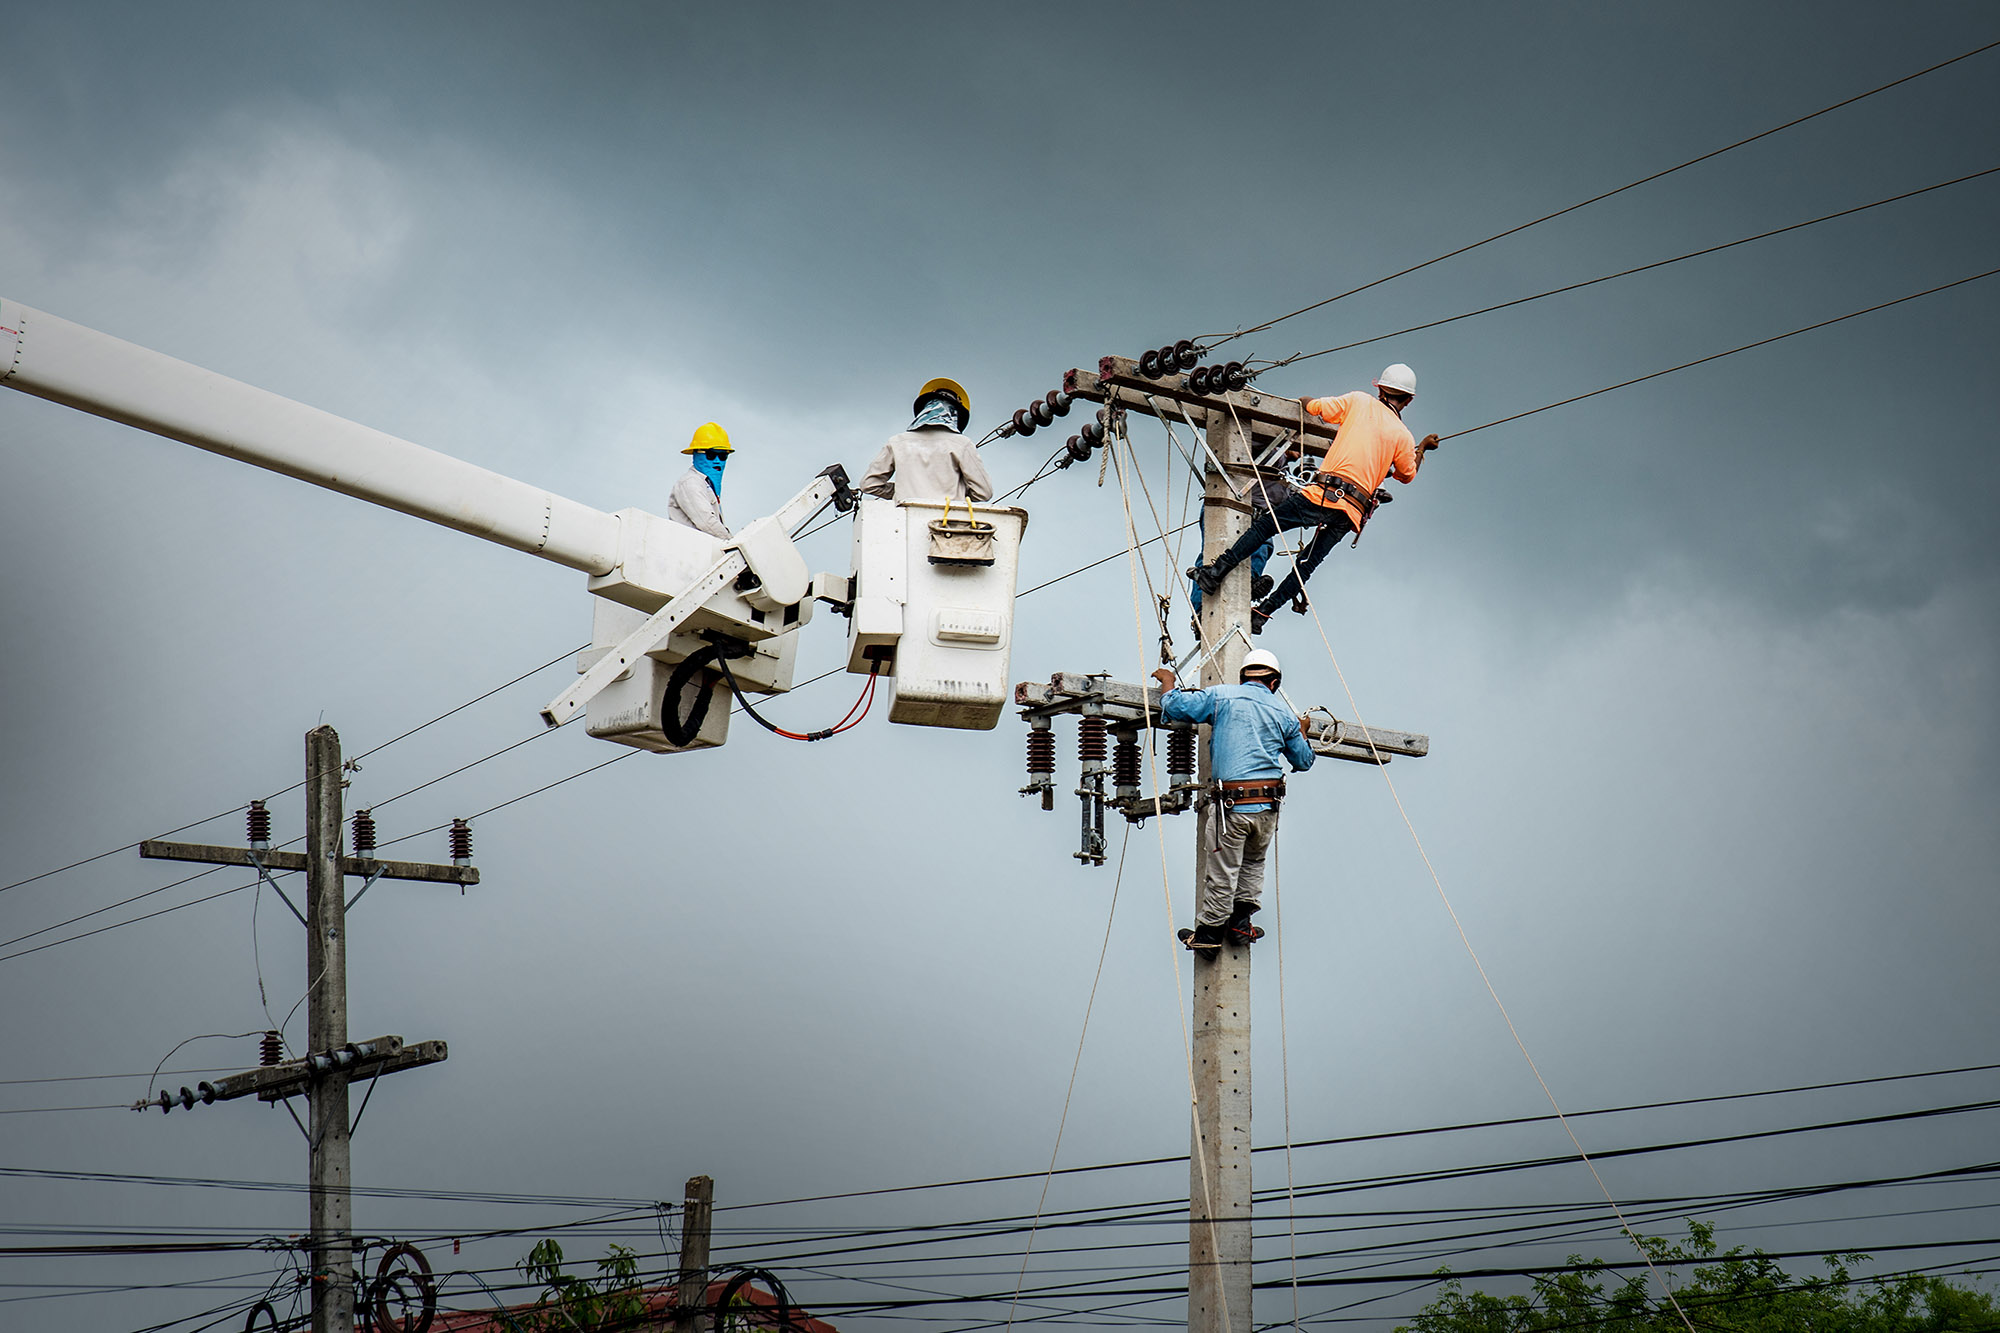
{"x":1265,"y":416}
{"x":358,"y":1060}
{"x":422,"y":871}
{"x":1067,"y":692}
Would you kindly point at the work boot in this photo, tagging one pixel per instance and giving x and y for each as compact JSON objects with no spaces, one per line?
{"x":1204,"y":578}
{"x":1261,"y":585}
{"x":1238,"y":927}
{"x":1259,"y":617}
{"x":1202,"y":939}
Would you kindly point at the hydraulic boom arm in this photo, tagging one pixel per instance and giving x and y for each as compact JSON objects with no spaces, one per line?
{"x":93,"y":372}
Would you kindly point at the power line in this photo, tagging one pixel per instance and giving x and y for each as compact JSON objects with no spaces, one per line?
{"x":223,"y":814}
{"x":1626,"y":273}
{"x":1599,"y":198}
{"x":1717,"y":356}
{"x":1379,"y":1136}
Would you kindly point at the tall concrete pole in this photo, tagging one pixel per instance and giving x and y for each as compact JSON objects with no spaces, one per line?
{"x":326,"y":1029}
{"x":1219,"y":1160}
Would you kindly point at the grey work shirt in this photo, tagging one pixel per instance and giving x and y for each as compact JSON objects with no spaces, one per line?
{"x":695,"y":503}
{"x":928,"y":464}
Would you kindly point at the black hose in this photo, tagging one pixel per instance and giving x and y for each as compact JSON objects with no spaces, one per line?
{"x":679,"y":732}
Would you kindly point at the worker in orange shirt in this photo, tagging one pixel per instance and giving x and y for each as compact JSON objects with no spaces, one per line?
{"x":1371,"y":445}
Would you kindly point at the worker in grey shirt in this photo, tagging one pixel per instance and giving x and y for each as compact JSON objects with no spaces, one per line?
{"x":931,"y":460}
{"x":697,"y":497}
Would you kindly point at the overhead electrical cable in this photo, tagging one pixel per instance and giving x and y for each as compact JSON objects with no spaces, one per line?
{"x":1717,"y":356}
{"x":1599,"y":198}
{"x":223,"y":814}
{"x":1624,"y":273}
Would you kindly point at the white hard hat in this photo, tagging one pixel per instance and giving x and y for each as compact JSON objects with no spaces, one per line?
{"x":1398,"y":377}
{"x":1260,"y":659}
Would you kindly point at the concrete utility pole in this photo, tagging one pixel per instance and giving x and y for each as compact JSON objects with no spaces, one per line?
{"x":1219,"y":1291}
{"x":327,"y":1127}
{"x":1246,"y":437}
{"x":698,"y":1204}
{"x":331,"y":1061}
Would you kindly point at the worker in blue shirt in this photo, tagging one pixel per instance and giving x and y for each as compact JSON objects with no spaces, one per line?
{"x":1249,"y":732}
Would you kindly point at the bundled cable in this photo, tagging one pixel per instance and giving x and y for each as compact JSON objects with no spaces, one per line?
{"x":852,"y":720}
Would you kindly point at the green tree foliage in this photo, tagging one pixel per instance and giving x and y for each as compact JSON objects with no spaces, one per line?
{"x":1737,"y":1292}
{"x":612,"y":1299}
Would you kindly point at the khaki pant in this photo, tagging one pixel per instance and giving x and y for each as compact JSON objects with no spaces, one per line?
{"x":1232,"y":865}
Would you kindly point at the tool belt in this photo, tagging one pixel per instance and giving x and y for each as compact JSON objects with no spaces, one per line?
{"x":1256,"y":791}
{"x":1365,"y":501}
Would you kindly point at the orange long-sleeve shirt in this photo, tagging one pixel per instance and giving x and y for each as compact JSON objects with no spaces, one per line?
{"x":1373,"y":443}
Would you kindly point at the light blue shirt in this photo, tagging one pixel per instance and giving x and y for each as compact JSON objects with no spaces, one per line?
{"x":1250,"y":728}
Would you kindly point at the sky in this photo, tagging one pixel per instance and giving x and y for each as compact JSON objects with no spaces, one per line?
{"x":1709,"y":664}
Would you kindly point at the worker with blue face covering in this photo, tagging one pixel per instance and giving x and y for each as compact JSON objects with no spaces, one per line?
{"x":932,"y":460}
{"x":697,"y":497}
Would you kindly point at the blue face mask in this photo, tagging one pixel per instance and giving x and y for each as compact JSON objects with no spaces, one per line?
{"x":710,"y":464}
{"x":937,"y":411}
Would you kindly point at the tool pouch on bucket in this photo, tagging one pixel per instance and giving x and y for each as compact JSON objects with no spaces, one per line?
{"x":961,"y":541}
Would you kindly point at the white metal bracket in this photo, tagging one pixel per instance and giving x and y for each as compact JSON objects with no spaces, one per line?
{"x":660,"y":626}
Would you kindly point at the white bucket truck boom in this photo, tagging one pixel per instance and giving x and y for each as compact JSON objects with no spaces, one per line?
{"x":666,"y":593}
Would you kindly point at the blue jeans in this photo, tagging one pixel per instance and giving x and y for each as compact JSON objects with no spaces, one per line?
{"x":1258,"y":559}
{"x":1293,"y":511}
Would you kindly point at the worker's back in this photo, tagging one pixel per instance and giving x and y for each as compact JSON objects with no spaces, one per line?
{"x":1251,"y":730}
{"x":929,"y":464}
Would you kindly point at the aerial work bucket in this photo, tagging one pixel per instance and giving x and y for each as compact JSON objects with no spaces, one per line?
{"x":934,"y":608}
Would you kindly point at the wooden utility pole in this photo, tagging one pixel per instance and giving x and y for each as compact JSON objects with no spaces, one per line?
{"x":698,"y":1204}
{"x":331,"y":1061}
{"x":1219,"y":1290}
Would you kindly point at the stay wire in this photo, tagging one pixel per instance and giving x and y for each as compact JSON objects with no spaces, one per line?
{"x":1297,"y":357}
{"x":1285,"y":1069}
{"x":1717,"y":356}
{"x":1062,"y":1122}
{"x":1200,"y":1149}
{"x":1480,"y":967}
{"x":1599,"y":198}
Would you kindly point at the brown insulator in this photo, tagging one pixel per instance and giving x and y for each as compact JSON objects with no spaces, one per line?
{"x":364,"y":835}
{"x":1059,"y":402}
{"x":1186,"y":355}
{"x":1233,"y":376}
{"x":1199,"y":380}
{"x":1180,"y":752}
{"x":461,"y":842}
{"x":1090,"y":746}
{"x":1041,"y":751}
{"x":1125,"y":760}
{"x":1149,"y":364}
{"x":1042,"y":411}
{"x":1024,"y":425}
{"x":271,"y":1050}
{"x":260,"y":825}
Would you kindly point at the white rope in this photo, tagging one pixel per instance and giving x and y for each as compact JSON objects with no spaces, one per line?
{"x":1166,"y":886}
{"x":1472,"y":953}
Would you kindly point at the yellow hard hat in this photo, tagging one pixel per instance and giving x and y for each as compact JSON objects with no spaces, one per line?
{"x":952,"y":387}
{"x":709,"y":436}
